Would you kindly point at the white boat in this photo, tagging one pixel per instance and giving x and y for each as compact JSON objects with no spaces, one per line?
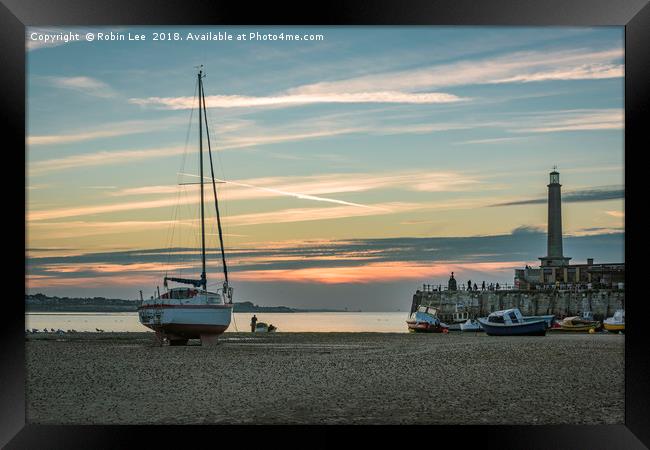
{"x":183,"y":313}
{"x":471,"y":325}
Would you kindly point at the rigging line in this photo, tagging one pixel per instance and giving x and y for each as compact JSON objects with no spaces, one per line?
{"x":172,"y":226}
{"x":190,"y":211}
{"x":223,"y":177}
{"x":234,"y":320}
{"x":225,"y":207}
{"x":214,"y":190}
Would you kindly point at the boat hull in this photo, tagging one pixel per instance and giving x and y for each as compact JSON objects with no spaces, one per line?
{"x":614,"y":326}
{"x":582,"y":328}
{"x":537,"y":328}
{"x":425,"y":327}
{"x":575,"y":329}
{"x":186,"y":321}
{"x":473,"y":327}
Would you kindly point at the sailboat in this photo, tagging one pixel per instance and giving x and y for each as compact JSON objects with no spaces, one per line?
{"x":183,"y":313}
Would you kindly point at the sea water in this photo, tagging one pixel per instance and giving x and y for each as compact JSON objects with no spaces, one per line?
{"x":383,"y":322}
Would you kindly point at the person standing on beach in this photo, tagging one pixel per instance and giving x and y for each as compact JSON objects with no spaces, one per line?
{"x":253,"y":323}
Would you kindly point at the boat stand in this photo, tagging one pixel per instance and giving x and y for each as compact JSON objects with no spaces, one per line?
{"x":159,"y":339}
{"x":209,"y":339}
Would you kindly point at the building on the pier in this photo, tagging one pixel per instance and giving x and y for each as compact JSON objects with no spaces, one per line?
{"x":555,"y":269}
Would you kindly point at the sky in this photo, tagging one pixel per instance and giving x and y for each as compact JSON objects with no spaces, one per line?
{"x":353,"y":165}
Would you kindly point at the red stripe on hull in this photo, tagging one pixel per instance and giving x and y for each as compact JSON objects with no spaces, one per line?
{"x":424,"y":327}
{"x":185,"y":306}
{"x":188,"y":331}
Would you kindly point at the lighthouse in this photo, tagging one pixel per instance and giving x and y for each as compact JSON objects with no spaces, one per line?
{"x":554,"y":256}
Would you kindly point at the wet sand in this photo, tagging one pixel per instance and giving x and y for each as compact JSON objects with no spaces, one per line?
{"x":326,"y":378}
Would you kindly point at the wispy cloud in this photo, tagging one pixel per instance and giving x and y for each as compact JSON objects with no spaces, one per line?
{"x":407,"y":86}
{"x":59,"y":213}
{"x":286,"y":193}
{"x":240,"y":101}
{"x":102,"y":282}
{"x":82,"y":84}
{"x":80,"y":228}
{"x":576,"y":63}
{"x":594,"y":231}
{"x":305,"y":188}
{"x":281,"y":216}
{"x":578,"y":120}
{"x":99,"y":159}
{"x":127,"y":156}
{"x":493,"y":140}
{"x":584,"y":72}
{"x":309,"y":214}
{"x":585,"y":195}
{"x":106,"y":131}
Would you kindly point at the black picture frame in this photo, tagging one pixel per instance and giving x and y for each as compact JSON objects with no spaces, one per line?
{"x":15,"y":15}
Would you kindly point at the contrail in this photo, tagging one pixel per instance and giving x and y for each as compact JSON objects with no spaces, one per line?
{"x":290,"y":194}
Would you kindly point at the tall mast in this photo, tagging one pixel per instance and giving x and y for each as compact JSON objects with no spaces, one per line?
{"x":214,"y":190}
{"x":204,"y":280}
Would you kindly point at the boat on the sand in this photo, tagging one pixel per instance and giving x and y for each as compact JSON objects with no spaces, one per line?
{"x":577,"y":324}
{"x":616,"y":323}
{"x":426,"y":321}
{"x":510,"y":322}
{"x":184,"y":313}
{"x":262,"y":327}
{"x":471,"y":325}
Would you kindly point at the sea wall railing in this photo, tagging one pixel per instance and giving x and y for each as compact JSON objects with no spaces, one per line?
{"x":513,"y":287}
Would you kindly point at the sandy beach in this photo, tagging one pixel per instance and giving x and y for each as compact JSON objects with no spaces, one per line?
{"x":326,"y":378}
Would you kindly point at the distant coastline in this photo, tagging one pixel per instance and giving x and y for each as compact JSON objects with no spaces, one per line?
{"x":43,"y":303}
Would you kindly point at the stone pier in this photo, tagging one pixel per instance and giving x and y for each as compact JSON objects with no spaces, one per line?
{"x":561,"y":303}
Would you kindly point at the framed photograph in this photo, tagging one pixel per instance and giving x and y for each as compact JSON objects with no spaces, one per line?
{"x":386,"y":214}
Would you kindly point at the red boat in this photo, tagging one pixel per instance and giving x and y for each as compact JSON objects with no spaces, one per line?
{"x":425,"y":327}
{"x":426,"y":321}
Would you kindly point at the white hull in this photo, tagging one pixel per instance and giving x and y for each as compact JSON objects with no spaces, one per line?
{"x":471,"y":326}
{"x":186,"y":321}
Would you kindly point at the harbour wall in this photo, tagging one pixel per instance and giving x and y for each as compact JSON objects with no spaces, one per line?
{"x":601,"y":302}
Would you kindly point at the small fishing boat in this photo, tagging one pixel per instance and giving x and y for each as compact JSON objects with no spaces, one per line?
{"x":510,"y":322}
{"x":616,"y":322}
{"x":262,"y":327}
{"x":471,"y":325}
{"x":577,"y":324}
{"x":426,"y":321}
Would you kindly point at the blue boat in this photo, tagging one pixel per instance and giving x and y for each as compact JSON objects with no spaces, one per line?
{"x":511,"y":322}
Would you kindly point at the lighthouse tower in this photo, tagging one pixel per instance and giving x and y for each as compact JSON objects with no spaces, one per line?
{"x":554,"y":256}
